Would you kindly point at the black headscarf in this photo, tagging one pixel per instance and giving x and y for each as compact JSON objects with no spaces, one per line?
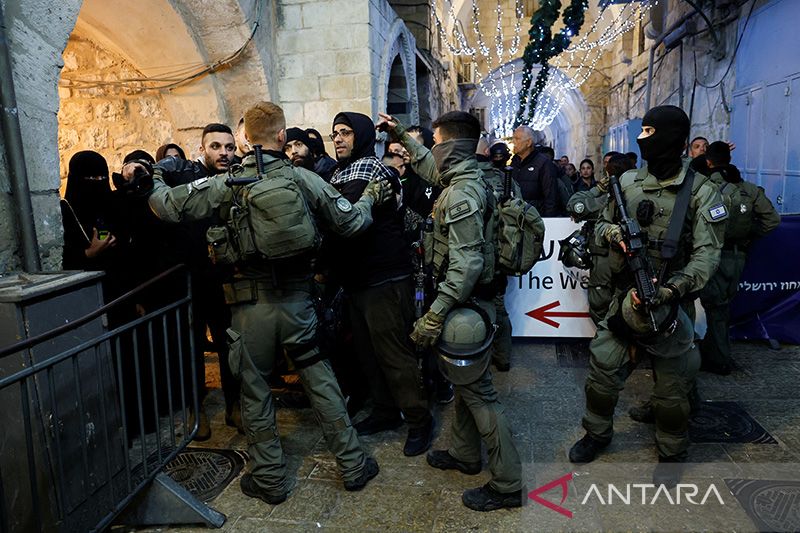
{"x":161,"y":153}
{"x":89,"y":199}
{"x":663,"y":149}
{"x":364,"y":131}
{"x":296,"y":134}
{"x":316,"y":144}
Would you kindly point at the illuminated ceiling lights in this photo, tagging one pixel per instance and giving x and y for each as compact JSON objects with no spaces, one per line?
{"x":568,"y":71}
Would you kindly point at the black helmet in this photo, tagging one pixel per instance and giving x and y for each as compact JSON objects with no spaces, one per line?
{"x":463,"y":347}
{"x":574,"y":250}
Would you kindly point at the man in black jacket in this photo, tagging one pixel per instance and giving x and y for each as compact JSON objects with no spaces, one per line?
{"x":375,"y":271}
{"x":535,"y":172}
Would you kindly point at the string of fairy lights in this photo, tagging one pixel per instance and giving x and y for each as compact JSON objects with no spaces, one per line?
{"x":497,"y":73}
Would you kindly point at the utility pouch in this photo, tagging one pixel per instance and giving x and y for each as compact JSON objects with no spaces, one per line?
{"x":221,"y":247}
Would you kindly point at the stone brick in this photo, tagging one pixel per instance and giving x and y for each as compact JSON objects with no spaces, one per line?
{"x":76,"y":112}
{"x":340,"y":87}
{"x":112,"y":110}
{"x":321,"y":112}
{"x":298,"y":90}
{"x":353,"y":61}
{"x":290,"y":17}
{"x":335,"y":13}
{"x":292,"y":67}
{"x":295,"y":116}
{"x":41,"y":157}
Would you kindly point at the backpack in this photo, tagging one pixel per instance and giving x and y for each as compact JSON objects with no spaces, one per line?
{"x":271,"y":220}
{"x":520,"y":233}
{"x":740,"y":212}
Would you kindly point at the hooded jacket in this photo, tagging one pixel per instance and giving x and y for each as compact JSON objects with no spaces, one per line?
{"x":380,"y":254}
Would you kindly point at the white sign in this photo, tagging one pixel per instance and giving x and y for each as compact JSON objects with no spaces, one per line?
{"x":551,"y":300}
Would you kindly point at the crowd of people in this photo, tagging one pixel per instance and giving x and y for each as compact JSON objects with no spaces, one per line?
{"x":372,"y":275}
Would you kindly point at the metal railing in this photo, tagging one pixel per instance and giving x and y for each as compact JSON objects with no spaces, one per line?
{"x":99,"y":420}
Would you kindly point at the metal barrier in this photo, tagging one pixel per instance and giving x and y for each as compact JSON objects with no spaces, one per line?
{"x":97,"y":422}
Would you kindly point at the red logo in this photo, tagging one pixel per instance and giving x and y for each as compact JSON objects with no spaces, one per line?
{"x":563,"y":482}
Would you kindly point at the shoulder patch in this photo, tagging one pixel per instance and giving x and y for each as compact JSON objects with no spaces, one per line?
{"x":718,"y":212}
{"x":197,"y":184}
{"x":343,"y":204}
{"x":579,"y":208}
{"x":459,"y":209}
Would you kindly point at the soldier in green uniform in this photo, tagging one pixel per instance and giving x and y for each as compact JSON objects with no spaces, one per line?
{"x":270,"y":293}
{"x":462,"y":254}
{"x":651,"y":195}
{"x":751,"y":216}
{"x":494,"y":177}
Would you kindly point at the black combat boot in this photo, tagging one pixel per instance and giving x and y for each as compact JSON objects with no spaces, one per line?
{"x":585,"y":450}
{"x":669,"y":470}
{"x":442,"y":460}
{"x":250,"y":488}
{"x":370,"y":471}
{"x":419,"y":439}
{"x":487,"y":499}
{"x":643,"y":413}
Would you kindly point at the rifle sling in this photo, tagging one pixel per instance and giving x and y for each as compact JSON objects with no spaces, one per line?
{"x":673,"y":235}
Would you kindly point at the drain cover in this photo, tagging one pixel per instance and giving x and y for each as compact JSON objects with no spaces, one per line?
{"x":772,"y":505}
{"x":205,"y":472}
{"x":726,"y":422}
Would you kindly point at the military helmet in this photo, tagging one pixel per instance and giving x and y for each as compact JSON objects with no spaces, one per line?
{"x":463,"y":347}
{"x":574,"y":251}
{"x":675,"y":329}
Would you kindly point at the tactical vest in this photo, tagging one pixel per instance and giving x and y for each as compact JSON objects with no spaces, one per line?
{"x":740,"y":199}
{"x":437,"y":242}
{"x":656,"y":226}
{"x":266,"y":220}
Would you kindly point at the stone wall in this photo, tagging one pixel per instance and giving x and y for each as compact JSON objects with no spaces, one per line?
{"x":110,"y":119}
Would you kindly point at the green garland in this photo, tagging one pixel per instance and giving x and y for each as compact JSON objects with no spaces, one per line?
{"x":543,"y":46}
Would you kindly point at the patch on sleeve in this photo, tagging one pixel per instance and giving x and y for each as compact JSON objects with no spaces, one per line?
{"x":579,"y":208}
{"x":197,"y":184}
{"x":343,"y":204}
{"x":718,"y":211}
{"x":459,"y":209}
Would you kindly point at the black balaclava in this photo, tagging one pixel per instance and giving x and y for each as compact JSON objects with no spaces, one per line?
{"x":364,"y":131}
{"x":317,"y":145}
{"x":663,"y":149}
{"x":88,"y":198}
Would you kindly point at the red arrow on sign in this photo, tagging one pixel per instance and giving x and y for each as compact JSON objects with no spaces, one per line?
{"x":543,"y":313}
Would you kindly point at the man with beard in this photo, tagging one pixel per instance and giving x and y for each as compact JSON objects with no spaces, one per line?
{"x":297,"y":149}
{"x":375,"y":270}
{"x":683,"y":253}
{"x":324,"y":165}
{"x":752,"y":216}
{"x":217,"y":149}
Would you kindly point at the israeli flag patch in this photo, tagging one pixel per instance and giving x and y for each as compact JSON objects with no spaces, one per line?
{"x":717,"y":212}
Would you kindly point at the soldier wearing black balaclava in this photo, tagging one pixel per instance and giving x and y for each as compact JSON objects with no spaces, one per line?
{"x":626,"y":335}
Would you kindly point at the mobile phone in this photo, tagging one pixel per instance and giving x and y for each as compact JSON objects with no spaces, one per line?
{"x":102,"y":234}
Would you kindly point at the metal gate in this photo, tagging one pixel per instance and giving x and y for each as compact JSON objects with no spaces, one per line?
{"x":94,"y":424}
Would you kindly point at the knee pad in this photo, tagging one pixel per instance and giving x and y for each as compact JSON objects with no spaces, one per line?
{"x":671,"y":416}
{"x":601,"y":402}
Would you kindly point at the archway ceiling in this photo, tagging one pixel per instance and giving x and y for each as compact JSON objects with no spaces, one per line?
{"x":148,"y":33}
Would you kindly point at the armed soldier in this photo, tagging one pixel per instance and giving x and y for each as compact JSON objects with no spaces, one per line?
{"x":462,"y":253}
{"x":270,"y":293}
{"x":751,"y":216}
{"x":587,"y":206}
{"x":682,"y":214}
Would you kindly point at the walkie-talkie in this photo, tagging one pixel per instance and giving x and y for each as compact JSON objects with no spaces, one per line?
{"x":258,"y":154}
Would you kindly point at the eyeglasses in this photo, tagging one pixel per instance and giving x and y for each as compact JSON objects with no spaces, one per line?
{"x":344,"y":133}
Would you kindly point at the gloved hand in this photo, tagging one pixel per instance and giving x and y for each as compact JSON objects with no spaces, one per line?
{"x":602,"y":184}
{"x":379,"y":191}
{"x":665,"y":294}
{"x":613,"y":234}
{"x":427,"y":329}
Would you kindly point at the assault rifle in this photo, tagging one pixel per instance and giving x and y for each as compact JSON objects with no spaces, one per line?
{"x":230,"y":181}
{"x":635,"y":253}
{"x":420,"y":277}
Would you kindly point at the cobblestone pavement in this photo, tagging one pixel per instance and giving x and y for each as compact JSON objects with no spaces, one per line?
{"x":543,"y":397}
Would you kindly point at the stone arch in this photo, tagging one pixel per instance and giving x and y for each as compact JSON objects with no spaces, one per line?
{"x":567,"y":133}
{"x":398,"y":65}
{"x":156,"y":37}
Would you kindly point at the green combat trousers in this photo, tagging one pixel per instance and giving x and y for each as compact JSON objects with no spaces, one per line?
{"x":716,"y":297}
{"x":480,"y":415}
{"x":501,"y":347}
{"x":284,"y":320}
{"x":609,"y":367}
{"x":601,"y":289}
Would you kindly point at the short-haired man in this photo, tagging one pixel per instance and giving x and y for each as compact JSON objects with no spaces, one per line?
{"x":297,"y":149}
{"x":535,"y":171}
{"x":698,"y":147}
{"x":270,"y":299}
{"x":563,"y":162}
{"x":463,"y":266}
{"x":375,"y":271}
{"x":217,"y":147}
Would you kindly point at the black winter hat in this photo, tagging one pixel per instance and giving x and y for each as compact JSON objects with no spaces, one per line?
{"x":296,"y":134}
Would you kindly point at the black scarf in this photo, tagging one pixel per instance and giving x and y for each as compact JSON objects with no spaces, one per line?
{"x":89,"y":199}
